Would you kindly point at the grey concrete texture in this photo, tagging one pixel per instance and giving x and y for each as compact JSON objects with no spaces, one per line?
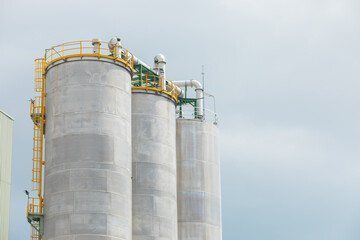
{"x":198,"y":181}
{"x":88,"y":151}
{"x":6,"y":139}
{"x":154,"y":167}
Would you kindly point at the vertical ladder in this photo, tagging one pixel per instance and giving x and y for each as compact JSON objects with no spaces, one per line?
{"x":37,"y":113}
{"x":34,"y":233}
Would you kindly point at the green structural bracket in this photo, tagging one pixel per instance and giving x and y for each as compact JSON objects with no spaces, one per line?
{"x":141,"y":69}
{"x":143,"y":73}
{"x":191,"y":101}
{"x":37,"y":217}
{"x":35,"y":117}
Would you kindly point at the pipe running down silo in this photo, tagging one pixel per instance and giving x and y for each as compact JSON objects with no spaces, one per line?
{"x":115,"y":42}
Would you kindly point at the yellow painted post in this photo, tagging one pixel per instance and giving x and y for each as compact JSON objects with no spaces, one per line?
{"x":99,"y":49}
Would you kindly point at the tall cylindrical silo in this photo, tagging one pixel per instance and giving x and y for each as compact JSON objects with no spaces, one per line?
{"x":154,"y":166}
{"x":88,"y":149}
{"x":198,"y":180}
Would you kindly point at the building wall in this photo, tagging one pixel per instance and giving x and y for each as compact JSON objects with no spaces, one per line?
{"x":6,"y":132}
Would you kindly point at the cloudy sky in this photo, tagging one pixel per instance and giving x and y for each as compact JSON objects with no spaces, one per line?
{"x":286,"y":78}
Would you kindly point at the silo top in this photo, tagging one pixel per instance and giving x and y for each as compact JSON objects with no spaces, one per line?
{"x":89,"y":48}
{"x":152,"y":83}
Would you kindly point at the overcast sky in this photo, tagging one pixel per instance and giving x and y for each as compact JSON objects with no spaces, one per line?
{"x":286,"y":78}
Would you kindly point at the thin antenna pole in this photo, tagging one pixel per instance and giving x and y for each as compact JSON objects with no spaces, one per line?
{"x":203,"y":76}
{"x":203,"y":83}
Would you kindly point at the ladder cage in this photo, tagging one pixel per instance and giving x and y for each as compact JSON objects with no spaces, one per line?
{"x":37,"y":114}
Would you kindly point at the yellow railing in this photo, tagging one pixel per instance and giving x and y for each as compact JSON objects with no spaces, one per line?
{"x":155,"y":83}
{"x":34,"y":233}
{"x":39,"y":71}
{"x":34,"y":208}
{"x":37,"y":110}
{"x":89,"y":48}
{"x":33,"y":205}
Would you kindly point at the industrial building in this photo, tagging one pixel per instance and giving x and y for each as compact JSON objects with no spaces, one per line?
{"x":6,"y":133}
{"x":117,"y":153}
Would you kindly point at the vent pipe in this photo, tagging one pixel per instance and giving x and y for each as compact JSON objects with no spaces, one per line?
{"x":159,"y":65}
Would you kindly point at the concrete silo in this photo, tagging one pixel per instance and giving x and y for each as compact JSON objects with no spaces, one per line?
{"x":87,"y":174}
{"x":154,"y":155}
{"x":198,"y":172}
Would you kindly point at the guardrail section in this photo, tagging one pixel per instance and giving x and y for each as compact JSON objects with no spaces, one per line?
{"x":155,"y":83}
{"x":90,"y":48}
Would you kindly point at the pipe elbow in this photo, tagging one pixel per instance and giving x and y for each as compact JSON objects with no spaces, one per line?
{"x":191,"y":83}
{"x":196,"y":84}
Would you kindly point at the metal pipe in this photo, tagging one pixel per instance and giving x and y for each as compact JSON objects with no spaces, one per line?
{"x":116,"y":42}
{"x":159,"y":68}
{"x":199,"y":93}
{"x":159,"y":65}
{"x":137,"y":61}
{"x":210,"y":95}
{"x":215,"y":114}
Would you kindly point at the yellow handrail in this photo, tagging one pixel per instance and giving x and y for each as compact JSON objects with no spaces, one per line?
{"x":85,"y":48}
{"x":155,"y":83}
